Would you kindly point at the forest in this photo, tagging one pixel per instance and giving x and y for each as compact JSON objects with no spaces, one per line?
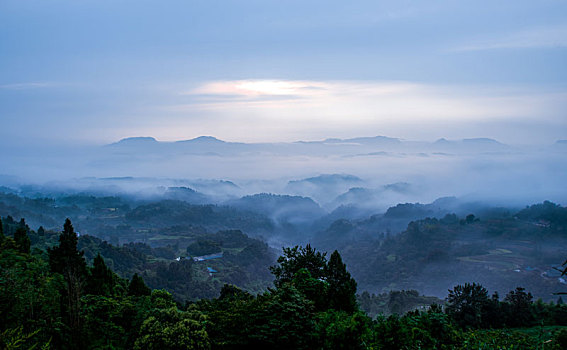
{"x":411,"y":246}
{"x":52,"y":298}
{"x":283,"y":175}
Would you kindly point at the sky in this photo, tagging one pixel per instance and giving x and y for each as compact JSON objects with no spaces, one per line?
{"x":93,"y":72}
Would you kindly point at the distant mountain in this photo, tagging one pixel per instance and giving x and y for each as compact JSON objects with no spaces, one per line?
{"x":376,"y":140}
{"x":481,"y":140}
{"x":432,"y":255}
{"x":410,"y":211}
{"x":469,"y":145}
{"x":323,"y":188}
{"x":186,"y":194}
{"x":136,"y":140}
{"x":478,"y":140}
{"x":376,"y":199}
{"x":376,"y":145}
{"x":202,"y":139}
{"x":281,"y":208}
{"x":357,"y":195}
{"x":221,"y":190}
{"x":151,"y":140}
{"x":202,"y":145}
{"x":135,"y":145}
{"x":352,"y":222}
{"x":328,"y":179}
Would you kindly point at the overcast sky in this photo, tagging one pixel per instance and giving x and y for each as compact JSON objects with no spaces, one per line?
{"x":98,"y":71}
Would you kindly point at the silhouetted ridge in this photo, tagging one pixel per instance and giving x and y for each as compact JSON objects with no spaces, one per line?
{"x":202,"y":139}
{"x":136,"y":140}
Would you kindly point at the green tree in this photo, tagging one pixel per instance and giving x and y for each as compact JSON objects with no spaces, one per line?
{"x":342,"y":330}
{"x":170,"y":329}
{"x":494,"y":315}
{"x":230,"y":317}
{"x":392,"y":333}
{"x":162,"y":299}
{"x":137,"y":287}
{"x":29,"y":294}
{"x":466,"y":304}
{"x":101,"y":323}
{"x":13,"y":339}
{"x":283,"y":319}
{"x":313,"y":289}
{"x":101,"y":280}
{"x":232,"y":292}
{"x":342,"y":287}
{"x":296,"y":258}
{"x":65,"y":257}
{"x":520,"y":313}
{"x":69,"y":262}
{"x":22,"y":240}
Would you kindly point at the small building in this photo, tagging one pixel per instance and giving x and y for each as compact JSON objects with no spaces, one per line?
{"x":207,"y":257}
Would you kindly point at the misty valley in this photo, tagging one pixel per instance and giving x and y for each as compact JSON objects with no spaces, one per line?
{"x":325,"y":261}
{"x":424,"y":247}
{"x":310,"y":175}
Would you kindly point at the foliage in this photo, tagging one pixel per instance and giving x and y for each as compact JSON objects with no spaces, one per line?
{"x":102,"y":280}
{"x":394,"y":302}
{"x":203,"y":247}
{"x":547,"y":212}
{"x":312,"y":306}
{"x":506,"y":339}
{"x":520,"y":310}
{"x":137,"y":287}
{"x":292,"y":328}
{"x":296,"y":258}
{"x":342,"y":287}
{"x":341,"y":330}
{"x":29,"y":293}
{"x":12,"y":339}
{"x":418,"y":330}
{"x":466,"y":304}
{"x":169,"y":329}
{"x":22,"y":240}
{"x":245,"y":263}
{"x":66,"y":260}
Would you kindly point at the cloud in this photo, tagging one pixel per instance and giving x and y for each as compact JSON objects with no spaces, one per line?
{"x":26,"y":86}
{"x":360,"y":101}
{"x":537,"y":37}
{"x":280,"y":110}
{"x":258,"y":89}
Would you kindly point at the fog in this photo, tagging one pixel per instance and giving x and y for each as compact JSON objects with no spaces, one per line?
{"x":359,"y":196}
{"x":370,"y":173}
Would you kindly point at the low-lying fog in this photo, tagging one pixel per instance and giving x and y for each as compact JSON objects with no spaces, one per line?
{"x":373,"y":173}
{"x":333,"y":194}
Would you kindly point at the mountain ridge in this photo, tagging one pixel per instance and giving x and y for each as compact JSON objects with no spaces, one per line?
{"x":361,"y":140}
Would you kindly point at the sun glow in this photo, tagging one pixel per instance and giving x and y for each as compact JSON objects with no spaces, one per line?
{"x":256,"y":88}
{"x":271,"y":87}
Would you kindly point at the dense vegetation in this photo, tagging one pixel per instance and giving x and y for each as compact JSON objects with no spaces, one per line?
{"x":53,"y":299}
{"x":409,"y":247}
{"x":179,"y":275}
{"x":124,"y":219}
{"x":244,"y":261}
{"x":501,"y":250}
